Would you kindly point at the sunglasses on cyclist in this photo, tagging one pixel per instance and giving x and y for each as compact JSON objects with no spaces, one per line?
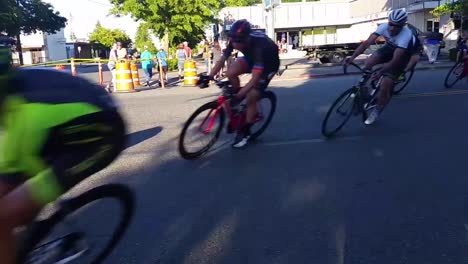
{"x":395,"y":25}
{"x":238,"y":40}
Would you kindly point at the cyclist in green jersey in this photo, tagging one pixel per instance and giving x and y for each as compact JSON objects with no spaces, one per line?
{"x":56,"y":131}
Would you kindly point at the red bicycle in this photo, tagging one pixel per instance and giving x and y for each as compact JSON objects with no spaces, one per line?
{"x":207,"y":121}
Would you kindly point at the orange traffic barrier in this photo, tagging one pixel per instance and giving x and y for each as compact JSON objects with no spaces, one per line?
{"x":124,"y":80}
{"x":135,"y":77}
{"x":190,"y":73}
{"x":60,"y":67}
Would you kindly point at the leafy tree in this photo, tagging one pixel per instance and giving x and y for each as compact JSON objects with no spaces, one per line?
{"x":143,"y":38}
{"x":103,"y":37}
{"x":73,"y":36}
{"x":459,"y":7}
{"x":179,"y":20}
{"x":226,"y":3}
{"x":28,"y":16}
{"x":175,"y":20}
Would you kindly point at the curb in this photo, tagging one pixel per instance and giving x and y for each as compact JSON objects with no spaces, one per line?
{"x":326,"y":75}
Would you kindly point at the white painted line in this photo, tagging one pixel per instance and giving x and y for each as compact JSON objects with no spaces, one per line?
{"x":204,"y":164}
{"x":309,"y":141}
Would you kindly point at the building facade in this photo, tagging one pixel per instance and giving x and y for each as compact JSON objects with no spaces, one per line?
{"x":43,"y":47}
{"x":336,"y":21}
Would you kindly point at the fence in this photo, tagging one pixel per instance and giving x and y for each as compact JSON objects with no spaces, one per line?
{"x":93,"y":69}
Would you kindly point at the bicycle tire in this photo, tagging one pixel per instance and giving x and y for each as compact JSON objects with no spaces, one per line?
{"x":397,"y":91}
{"x":446,"y":82}
{"x":272,"y":97}
{"x":346,"y":93}
{"x":193,"y":155}
{"x":39,"y":230}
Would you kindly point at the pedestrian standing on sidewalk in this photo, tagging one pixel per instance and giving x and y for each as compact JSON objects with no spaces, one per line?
{"x":217,"y":53}
{"x":162,"y":58}
{"x":181,"y":55}
{"x":206,"y":55}
{"x":111,"y":65}
{"x":188,"y":50}
{"x":147,"y":65}
{"x":121,"y":52}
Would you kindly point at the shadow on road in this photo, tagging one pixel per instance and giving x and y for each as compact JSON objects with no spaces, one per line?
{"x":142,"y":135}
{"x":395,"y":197}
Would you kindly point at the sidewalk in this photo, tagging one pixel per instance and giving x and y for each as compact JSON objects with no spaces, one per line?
{"x":308,"y":71}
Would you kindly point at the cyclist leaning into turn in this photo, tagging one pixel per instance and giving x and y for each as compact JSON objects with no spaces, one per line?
{"x":396,"y":53}
{"x":57,"y":131}
{"x":261,"y":58}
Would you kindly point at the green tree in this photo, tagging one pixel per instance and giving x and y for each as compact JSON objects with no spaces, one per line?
{"x":226,"y":3}
{"x":73,"y":36}
{"x":458,"y":7}
{"x":143,"y":38}
{"x":178,"y":20}
{"x":103,"y":37}
{"x":28,"y":16}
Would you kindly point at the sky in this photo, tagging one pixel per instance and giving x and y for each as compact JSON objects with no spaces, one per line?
{"x":82,"y":16}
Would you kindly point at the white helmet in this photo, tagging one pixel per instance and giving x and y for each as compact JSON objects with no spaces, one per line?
{"x":398,"y":16}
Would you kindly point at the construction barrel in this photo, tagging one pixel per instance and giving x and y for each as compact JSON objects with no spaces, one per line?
{"x":135,"y":77}
{"x":190,"y":73}
{"x":124,"y":79}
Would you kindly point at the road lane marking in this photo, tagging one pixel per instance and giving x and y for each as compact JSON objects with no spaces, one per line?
{"x":429,"y":94}
{"x":309,"y":141}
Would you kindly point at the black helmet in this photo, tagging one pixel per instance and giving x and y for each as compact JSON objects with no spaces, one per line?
{"x":240,"y":30}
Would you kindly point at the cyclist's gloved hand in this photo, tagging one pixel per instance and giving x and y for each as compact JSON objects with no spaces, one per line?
{"x":203,"y":80}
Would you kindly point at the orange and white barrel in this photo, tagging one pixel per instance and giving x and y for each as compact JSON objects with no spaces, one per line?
{"x":124,"y":80}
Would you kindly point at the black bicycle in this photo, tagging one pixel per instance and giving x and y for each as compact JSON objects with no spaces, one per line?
{"x":352,"y":102}
{"x":39,"y":243}
{"x":454,"y":75}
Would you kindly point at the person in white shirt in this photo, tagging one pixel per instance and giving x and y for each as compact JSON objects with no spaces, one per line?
{"x":396,"y":53}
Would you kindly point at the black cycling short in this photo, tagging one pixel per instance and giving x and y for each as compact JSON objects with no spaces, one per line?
{"x":271,"y":68}
{"x":386,"y":55}
{"x":83,"y":146}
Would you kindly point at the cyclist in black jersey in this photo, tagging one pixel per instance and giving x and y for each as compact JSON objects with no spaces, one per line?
{"x":260,"y":58}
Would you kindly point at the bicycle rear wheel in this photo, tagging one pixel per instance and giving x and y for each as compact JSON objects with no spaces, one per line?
{"x":203,"y":122}
{"x":266,"y":107}
{"x":454,"y":75}
{"x":343,"y":107}
{"x":37,"y":233}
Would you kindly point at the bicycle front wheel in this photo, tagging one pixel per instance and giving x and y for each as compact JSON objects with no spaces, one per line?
{"x":38,"y":245}
{"x":205,"y":125}
{"x":340,"y":112}
{"x":454,"y":75}
{"x":400,"y":85}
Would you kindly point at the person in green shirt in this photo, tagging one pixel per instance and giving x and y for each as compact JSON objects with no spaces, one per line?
{"x":147,"y":65}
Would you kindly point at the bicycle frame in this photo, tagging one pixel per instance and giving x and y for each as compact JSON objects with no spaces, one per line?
{"x":235,"y":121}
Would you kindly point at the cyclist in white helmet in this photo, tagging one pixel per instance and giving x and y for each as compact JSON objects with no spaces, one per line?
{"x":396,"y":53}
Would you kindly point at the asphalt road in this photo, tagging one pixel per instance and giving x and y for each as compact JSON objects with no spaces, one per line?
{"x":395,"y":192}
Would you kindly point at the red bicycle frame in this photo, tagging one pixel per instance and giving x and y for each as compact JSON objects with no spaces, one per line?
{"x":234,"y":121}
